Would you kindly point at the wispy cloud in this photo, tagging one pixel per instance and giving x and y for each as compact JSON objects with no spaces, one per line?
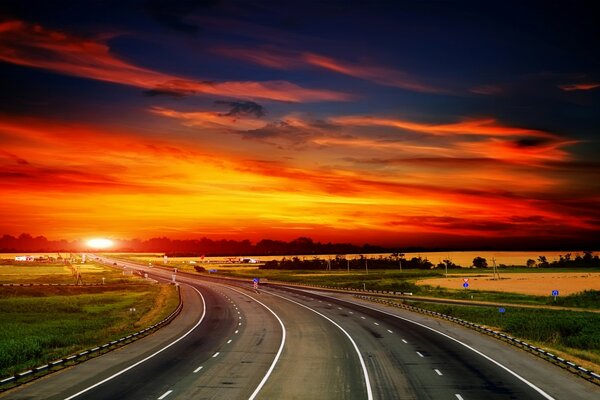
{"x":35,"y":46}
{"x":579,"y":86}
{"x":212,"y":119}
{"x":285,"y":59}
{"x":475,"y":127}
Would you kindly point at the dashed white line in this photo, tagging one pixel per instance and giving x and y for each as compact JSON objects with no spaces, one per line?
{"x":375,"y":323}
{"x":198,"y":369}
{"x":350,"y":312}
{"x":459,"y":397}
{"x":236,"y":332}
{"x":437,"y":371}
{"x":490,"y":359}
{"x":404,"y":341}
{"x":229,"y":341}
{"x":420,"y":355}
{"x":363,"y":317}
{"x":240,"y":324}
{"x":168,"y":392}
{"x":390,"y":331}
{"x":216,"y":354}
{"x":339,"y":308}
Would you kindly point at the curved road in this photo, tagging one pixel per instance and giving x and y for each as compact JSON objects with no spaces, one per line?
{"x":283,"y":343}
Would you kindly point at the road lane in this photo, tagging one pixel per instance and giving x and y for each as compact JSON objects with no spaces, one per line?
{"x":416,"y":353}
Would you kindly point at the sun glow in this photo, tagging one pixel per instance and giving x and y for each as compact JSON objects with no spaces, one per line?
{"x":99,"y":243}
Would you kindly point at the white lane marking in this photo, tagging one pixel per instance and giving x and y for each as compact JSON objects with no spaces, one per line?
{"x":339,"y":308}
{"x":229,"y":341}
{"x":281,"y":346}
{"x":420,"y":355}
{"x":404,"y":341}
{"x":239,"y":317}
{"x":437,"y":371}
{"x":168,"y":392}
{"x":236,"y":332}
{"x":375,"y":323}
{"x":150,"y":356}
{"x":240,"y":324}
{"x":390,"y":331}
{"x":362,"y":361}
{"x":363,"y":317}
{"x":216,"y":354}
{"x":351,"y":312}
{"x":459,"y":397}
{"x":519,"y":377}
{"x":198,"y":369}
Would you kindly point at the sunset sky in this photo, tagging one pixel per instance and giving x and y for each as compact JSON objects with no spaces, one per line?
{"x":395,"y":123}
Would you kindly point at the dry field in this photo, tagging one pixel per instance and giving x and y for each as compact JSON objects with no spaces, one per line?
{"x":541,"y":284}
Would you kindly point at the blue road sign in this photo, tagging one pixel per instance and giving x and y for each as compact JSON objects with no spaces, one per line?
{"x":501,"y":310}
{"x":465,"y":285}
{"x":555,"y":293}
{"x":256,"y":280}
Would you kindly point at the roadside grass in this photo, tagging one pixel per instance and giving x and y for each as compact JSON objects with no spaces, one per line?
{"x":43,"y":323}
{"x":573,"y":333}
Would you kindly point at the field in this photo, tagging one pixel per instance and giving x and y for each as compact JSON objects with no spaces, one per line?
{"x":568,"y":333}
{"x":43,"y":323}
{"x":538,"y":284}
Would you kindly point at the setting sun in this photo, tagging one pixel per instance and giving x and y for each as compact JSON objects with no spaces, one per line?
{"x":99,"y":243}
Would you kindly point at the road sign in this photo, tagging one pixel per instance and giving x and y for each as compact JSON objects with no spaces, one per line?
{"x":465,"y":285}
{"x":501,"y":310}
{"x":465,"y":280}
{"x":256,"y":280}
{"x":555,"y":293}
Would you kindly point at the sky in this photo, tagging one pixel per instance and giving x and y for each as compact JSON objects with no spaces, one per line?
{"x":434,"y":124}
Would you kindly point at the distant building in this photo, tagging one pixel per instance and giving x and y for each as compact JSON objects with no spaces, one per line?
{"x":24,"y":258}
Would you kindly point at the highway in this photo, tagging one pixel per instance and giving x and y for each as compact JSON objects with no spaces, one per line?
{"x":232,"y":342}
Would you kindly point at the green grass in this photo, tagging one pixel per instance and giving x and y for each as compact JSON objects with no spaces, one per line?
{"x":41,"y":324}
{"x":573,"y":332}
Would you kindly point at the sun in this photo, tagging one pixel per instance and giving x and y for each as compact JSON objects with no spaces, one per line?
{"x":99,"y":243}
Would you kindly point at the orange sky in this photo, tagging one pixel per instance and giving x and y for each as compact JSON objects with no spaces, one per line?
{"x":132,"y":150}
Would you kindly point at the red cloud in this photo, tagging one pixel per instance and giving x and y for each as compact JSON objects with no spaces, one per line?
{"x":275,"y":58}
{"x":35,"y":46}
{"x":479,"y":127}
{"x":579,"y":86}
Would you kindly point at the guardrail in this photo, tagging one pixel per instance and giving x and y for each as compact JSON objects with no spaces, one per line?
{"x":26,"y":376}
{"x":566,"y":364}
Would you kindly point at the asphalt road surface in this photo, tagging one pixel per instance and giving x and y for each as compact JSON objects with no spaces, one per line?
{"x":232,"y":342}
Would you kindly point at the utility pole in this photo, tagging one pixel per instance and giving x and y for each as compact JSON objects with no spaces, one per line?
{"x":348,"y":262}
{"x":400,"y":264}
{"x":366,"y":266}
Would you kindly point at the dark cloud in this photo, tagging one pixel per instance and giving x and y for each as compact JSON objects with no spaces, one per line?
{"x":172,"y":14}
{"x":165,"y":92}
{"x":243,"y":108}
{"x":531,"y":142}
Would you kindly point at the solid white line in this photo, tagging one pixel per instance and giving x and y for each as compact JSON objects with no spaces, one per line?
{"x":216,"y":354}
{"x":519,"y":377}
{"x":150,"y":356}
{"x":420,"y":355}
{"x":437,"y":371}
{"x":276,"y":359}
{"x":168,"y":392}
{"x":459,"y":397}
{"x":198,"y":369}
{"x":362,"y":361}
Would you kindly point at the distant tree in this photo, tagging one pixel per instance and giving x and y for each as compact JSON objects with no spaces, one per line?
{"x":480,"y":262}
{"x":543,"y":262}
{"x":531,"y":263}
{"x":199,"y":268}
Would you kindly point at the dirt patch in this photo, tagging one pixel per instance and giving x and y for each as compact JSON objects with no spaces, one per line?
{"x":541,"y":284}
